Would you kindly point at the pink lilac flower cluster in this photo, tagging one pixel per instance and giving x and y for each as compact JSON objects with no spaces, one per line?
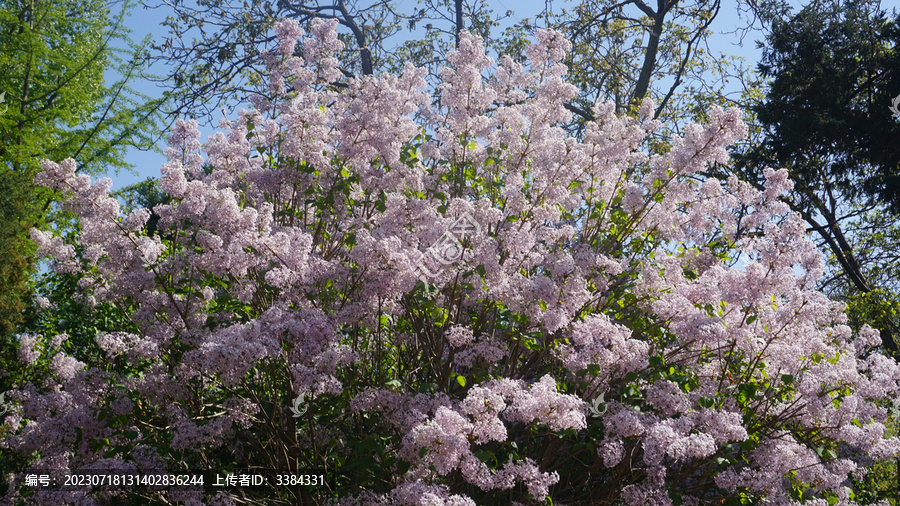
{"x":592,"y":343}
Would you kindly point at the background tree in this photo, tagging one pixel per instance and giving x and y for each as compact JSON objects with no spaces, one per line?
{"x":212,"y":48}
{"x":621,"y":48}
{"x":622,"y":51}
{"x":57,"y":105}
{"x":834,"y":69}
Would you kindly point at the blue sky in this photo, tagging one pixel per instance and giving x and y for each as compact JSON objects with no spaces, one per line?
{"x":148,"y":21}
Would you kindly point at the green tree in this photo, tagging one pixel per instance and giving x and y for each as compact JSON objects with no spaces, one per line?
{"x":833,"y":69}
{"x":221,"y":65}
{"x":57,"y":105}
{"x":622,"y":51}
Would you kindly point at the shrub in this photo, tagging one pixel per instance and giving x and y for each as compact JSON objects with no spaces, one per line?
{"x":452,"y":303}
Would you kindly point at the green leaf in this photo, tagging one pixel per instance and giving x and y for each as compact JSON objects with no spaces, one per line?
{"x":485,"y":456}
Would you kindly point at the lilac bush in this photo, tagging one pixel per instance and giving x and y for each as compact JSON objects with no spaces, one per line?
{"x":470,"y":305}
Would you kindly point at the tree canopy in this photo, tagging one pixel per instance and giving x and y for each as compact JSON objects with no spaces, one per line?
{"x":834,"y":71}
{"x":57,"y":104}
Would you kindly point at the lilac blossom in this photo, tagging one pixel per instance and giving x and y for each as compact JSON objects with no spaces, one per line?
{"x":592,"y":325}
